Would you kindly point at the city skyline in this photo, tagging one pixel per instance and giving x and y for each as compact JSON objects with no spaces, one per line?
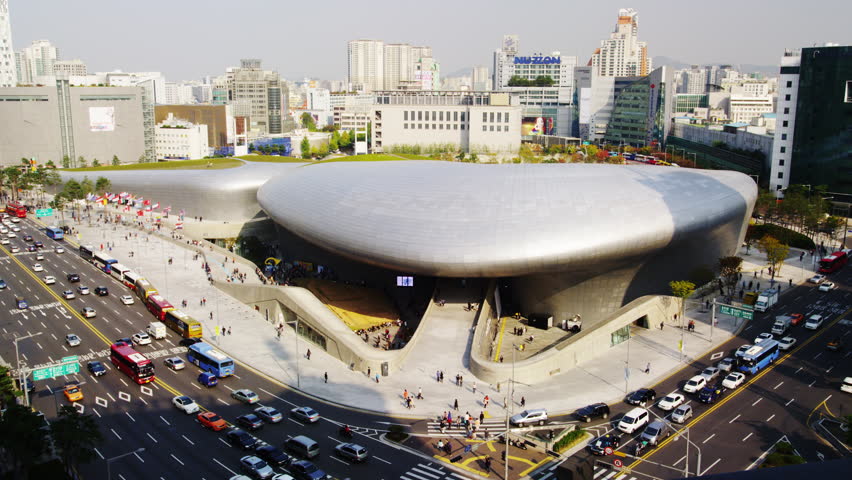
{"x":306,"y":47}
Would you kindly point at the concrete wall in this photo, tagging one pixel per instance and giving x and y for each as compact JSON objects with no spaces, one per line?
{"x":741,"y":139}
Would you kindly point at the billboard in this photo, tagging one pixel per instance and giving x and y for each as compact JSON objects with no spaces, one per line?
{"x":536,"y":126}
{"x":102,"y":119}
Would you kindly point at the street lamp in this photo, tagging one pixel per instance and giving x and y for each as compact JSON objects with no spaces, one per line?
{"x":511,"y":398}
{"x":21,"y":375}
{"x":688,"y":443}
{"x":110,"y":460}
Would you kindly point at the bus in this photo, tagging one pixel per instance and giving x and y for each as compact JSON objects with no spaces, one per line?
{"x":132,"y":363}
{"x":103,"y":261}
{"x":15,"y":209}
{"x":144,"y":289}
{"x":833,"y":262}
{"x":759,"y":356}
{"x":129,"y":279}
{"x":183,"y":324}
{"x":87,"y":252}
{"x":205,"y":357}
{"x":117,"y":271}
{"x":158,"y":305}
{"x":54,"y":233}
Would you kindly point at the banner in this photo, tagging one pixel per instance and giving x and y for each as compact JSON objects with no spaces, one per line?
{"x":102,"y":119}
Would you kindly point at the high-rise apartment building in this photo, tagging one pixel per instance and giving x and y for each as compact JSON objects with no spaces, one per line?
{"x":480,"y":79}
{"x":374,"y":65}
{"x":8,"y":70}
{"x":398,"y":66}
{"x":35,"y":63}
{"x":257,"y":94}
{"x":366,"y":65}
{"x":622,"y":54}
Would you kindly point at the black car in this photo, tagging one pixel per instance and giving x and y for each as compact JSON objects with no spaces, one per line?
{"x":186,"y":342}
{"x":125,"y":340}
{"x":642,"y":397}
{"x":250,"y":421}
{"x":274,"y":455}
{"x":96,"y":368}
{"x":604,"y":445}
{"x":73,"y":277}
{"x":101,"y":291}
{"x":30,"y":385}
{"x":38,"y":244}
{"x":710,"y":393}
{"x":305,"y":470}
{"x":595,"y":410}
{"x":242,"y":439}
{"x":28,"y":238}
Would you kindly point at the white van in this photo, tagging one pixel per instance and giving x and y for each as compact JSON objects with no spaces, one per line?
{"x":847,"y":385}
{"x":633,"y":420}
{"x":157,"y":330}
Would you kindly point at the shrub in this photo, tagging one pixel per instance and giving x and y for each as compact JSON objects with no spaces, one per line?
{"x":569,"y":440}
{"x":783,"y":455}
{"x":784,"y":235}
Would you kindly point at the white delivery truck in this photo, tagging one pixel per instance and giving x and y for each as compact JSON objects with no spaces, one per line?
{"x":157,"y":330}
{"x":782,"y":323}
{"x":766,"y":299}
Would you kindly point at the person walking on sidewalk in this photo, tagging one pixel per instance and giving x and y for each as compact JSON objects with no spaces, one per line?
{"x":325,"y":377}
{"x":648,"y":368}
{"x":308,"y":356}
{"x":523,"y":402}
{"x":456,"y":405}
{"x":474,"y":388}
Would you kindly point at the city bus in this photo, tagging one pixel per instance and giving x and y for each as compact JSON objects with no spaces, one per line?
{"x":132,"y":363}
{"x":759,"y":356}
{"x":158,"y":305}
{"x":15,"y":209}
{"x":833,"y":262}
{"x":183,"y":324}
{"x":87,"y":252}
{"x":117,"y":271}
{"x":129,"y":279}
{"x":103,"y":261}
{"x":205,"y":357}
{"x":144,"y":289}
{"x":54,"y":233}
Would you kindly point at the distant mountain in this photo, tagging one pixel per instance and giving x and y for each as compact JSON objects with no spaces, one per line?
{"x":462,"y":72}
{"x":768,"y":70}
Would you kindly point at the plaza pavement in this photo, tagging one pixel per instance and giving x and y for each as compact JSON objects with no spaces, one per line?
{"x":253,"y":340}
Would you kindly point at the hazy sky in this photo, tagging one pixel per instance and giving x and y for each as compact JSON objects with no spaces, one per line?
{"x":186,"y":39}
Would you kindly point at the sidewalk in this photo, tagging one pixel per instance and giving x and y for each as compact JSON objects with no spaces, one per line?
{"x":253,"y":340}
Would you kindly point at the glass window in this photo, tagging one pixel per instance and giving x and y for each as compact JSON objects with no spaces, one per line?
{"x":781,"y":162}
{"x":783,"y":149}
{"x":455,"y":116}
{"x":427,"y":126}
{"x":405,"y":115}
{"x":455,"y":126}
{"x":484,"y":128}
{"x":789,"y":84}
{"x":462,"y":117}
{"x":462,"y":126}
{"x":491,"y":117}
{"x":434,"y":127}
{"x":420,"y":115}
{"x":434,"y":116}
{"x":786,"y":109}
{"x":492,"y":128}
{"x":441,"y":116}
{"x":440,"y":126}
{"x":783,"y":136}
{"x":787,"y":97}
{"x":785,"y":124}
{"x":780,"y":174}
{"x":484,"y":117}
{"x":405,"y":126}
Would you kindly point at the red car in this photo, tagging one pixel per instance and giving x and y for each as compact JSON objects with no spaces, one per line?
{"x":796,"y":318}
{"x":212,"y":421}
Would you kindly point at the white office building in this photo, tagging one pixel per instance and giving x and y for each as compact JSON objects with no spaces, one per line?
{"x":70,"y":68}
{"x":8,"y":69}
{"x":622,"y":54}
{"x":351,"y":111}
{"x":177,"y":139}
{"x":178,"y":94}
{"x":782,"y":148}
{"x":481,"y":79}
{"x":743,"y":108}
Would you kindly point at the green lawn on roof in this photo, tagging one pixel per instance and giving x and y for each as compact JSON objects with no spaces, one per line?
{"x":202,"y":164}
{"x":273,"y":159}
{"x":374,"y":157}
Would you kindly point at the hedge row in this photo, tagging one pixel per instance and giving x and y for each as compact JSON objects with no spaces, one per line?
{"x":783,"y":235}
{"x":569,"y":440}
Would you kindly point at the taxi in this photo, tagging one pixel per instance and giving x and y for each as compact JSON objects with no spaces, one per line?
{"x":73,"y":393}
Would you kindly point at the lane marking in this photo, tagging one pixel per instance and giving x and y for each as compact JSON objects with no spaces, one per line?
{"x":114,"y":433}
{"x":770,"y":418}
{"x":152,"y":438}
{"x":178,"y":460}
{"x":756,"y":402}
{"x":776,"y":386}
{"x":788,"y":403}
{"x":746,"y":437}
{"x":188,"y":440}
{"x":734,"y":419}
{"x":708,"y":439}
{"x":131,"y":417}
{"x":165,"y":421}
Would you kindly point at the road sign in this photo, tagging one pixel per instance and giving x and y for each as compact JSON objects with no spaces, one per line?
{"x":72,"y":358}
{"x":736,"y":312}
{"x":54,"y":371}
{"x":617,"y":463}
{"x":608,"y":451}
{"x":44,"y":212}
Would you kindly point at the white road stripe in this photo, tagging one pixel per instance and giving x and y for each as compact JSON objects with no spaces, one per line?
{"x":708,"y":439}
{"x":734,"y":419}
{"x":178,"y":460}
{"x":114,"y":433}
{"x":152,"y":438}
{"x":746,"y":437}
{"x":788,"y":403}
{"x":770,"y":418}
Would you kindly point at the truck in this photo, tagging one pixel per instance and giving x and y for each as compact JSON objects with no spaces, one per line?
{"x":766,"y":300}
{"x":782,"y":324}
{"x":750,"y":298}
{"x":157,"y":330}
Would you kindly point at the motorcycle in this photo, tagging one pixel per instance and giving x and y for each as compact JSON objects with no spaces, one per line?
{"x":345,"y":432}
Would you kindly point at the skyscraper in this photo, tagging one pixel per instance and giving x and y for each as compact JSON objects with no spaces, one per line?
{"x":36,"y":62}
{"x":366,"y":65}
{"x":622,"y":54}
{"x":374,"y":65}
{"x":8,"y":74}
{"x":257,"y":94}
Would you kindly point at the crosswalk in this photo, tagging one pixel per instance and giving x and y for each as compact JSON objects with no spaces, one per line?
{"x":494,"y":427}
{"x":430,"y":472}
{"x":600,"y":473}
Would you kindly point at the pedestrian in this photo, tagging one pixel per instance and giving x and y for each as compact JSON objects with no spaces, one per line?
{"x":405,"y":394}
{"x":229,"y":331}
{"x":377,"y":378}
{"x":325,"y":377}
{"x":648,"y":368}
{"x":661,"y":325}
{"x":501,"y":360}
{"x":456,"y":405}
{"x":498,"y":387}
{"x":523,"y":402}
{"x":750,"y":283}
{"x":279,"y":335}
{"x":487,"y":463}
{"x":474,"y":388}
{"x":308,"y":355}
{"x":437,"y":375}
{"x":419,"y":393}
{"x":211,"y":315}
{"x":758,"y":285}
{"x":369,"y":369}
{"x":481,"y":417}
{"x":486,"y":400}
{"x":791,"y":282}
{"x":442,"y":376}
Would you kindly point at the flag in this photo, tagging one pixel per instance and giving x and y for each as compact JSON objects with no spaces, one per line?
{"x":168,"y":209}
{"x":146,"y":202}
{"x":90,"y":196}
{"x":156,"y":206}
{"x":148,"y":208}
{"x":140,"y":213}
{"x":178,"y":225}
{"x":123,"y":194}
{"x":103,"y":201}
{"x":98,"y":199}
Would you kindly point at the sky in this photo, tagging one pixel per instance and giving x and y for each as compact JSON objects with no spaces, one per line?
{"x":187,"y":39}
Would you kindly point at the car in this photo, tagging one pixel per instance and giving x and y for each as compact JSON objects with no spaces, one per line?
{"x":256,"y":467}
{"x":83,"y":290}
{"x":141,"y":338}
{"x":101,"y":291}
{"x":655,"y":432}
{"x":30,"y":385}
{"x":49,"y":280}
{"x":38,"y":267}
{"x":682,"y":414}
{"x":605,"y":444}
{"x":694,"y":384}
{"x":15,"y":219}
{"x":352,"y":452}
{"x":273,"y":455}
{"x":16,"y":228}
{"x":642,"y":397}
{"x":595,"y":410}
{"x":15,"y":249}
{"x":827,"y":286}
{"x":786,"y":343}
{"x":250,"y":422}
{"x":185,"y":342}
{"x":305,"y":414}
{"x":817,"y":279}
{"x":127,"y":299}
{"x":58,"y":249}
{"x":670,"y":401}
{"x":726,"y":364}
{"x":4,"y":230}
{"x":269,"y":414}
{"x":175,"y":363}
{"x":21,"y":303}
{"x":835,"y":345}
{"x":88,"y":312}
{"x":2,"y":284}
{"x":846,"y":386}
{"x":73,"y":393}
{"x":814,"y":322}
{"x":96,"y":368}
{"x":305,"y":470}
{"x":123,"y":341}
{"x":633,"y":420}
{"x":11,"y":235}
{"x":4,"y":241}
{"x":245,"y":395}
{"x":72,"y":340}
{"x":30,"y":248}
{"x":796,"y":318}
{"x":242,"y":439}
{"x":212,"y":421}
{"x":762,"y":337}
{"x":39,"y":256}
{"x":38,"y":244}
{"x":710,"y":373}
{"x":733,"y":380}
{"x":710,"y":393}
{"x":68,"y":295}
{"x":741,"y":351}
{"x":73,"y":277}
{"x":185,"y":404}
{"x":28,"y":238}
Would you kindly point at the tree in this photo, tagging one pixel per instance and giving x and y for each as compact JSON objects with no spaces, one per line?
{"x":729,"y":271}
{"x":58,"y":203}
{"x":776,"y":252}
{"x":96,"y":163}
{"x":23,"y":438}
{"x":526,"y":154}
{"x":682,"y":289}
{"x":81,"y":162}
{"x":306,"y":148}
{"x":76,"y":436}
{"x":8,"y":390}
{"x":141,"y":159}
{"x":14,"y":180}
{"x":87,"y":186}
{"x":73,"y":191}
{"x":66,"y":161}
{"x":333,"y":143}
{"x":460,"y":156}
{"x":115,"y":161}
{"x":474,"y":158}
{"x":102,"y":185}
{"x":833,"y":226}
{"x":308,"y":122}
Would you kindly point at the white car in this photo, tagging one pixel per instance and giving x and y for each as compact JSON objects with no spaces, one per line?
{"x":39,"y":256}
{"x":670,"y":401}
{"x":634,"y":420}
{"x":141,"y":338}
{"x":83,"y":290}
{"x":733,"y":380}
{"x":72,"y":340}
{"x":127,"y":299}
{"x":175,"y":363}
{"x":827,"y":286}
{"x":710,"y":373}
{"x":814,"y":322}
{"x":682,"y":414}
{"x":186,"y":404}
{"x":88,"y":312}
{"x":15,"y":219}
{"x":4,"y":241}
{"x":16,"y":228}
{"x":817,"y":279}
{"x":15,"y":249}
{"x":726,"y":364}
{"x":58,"y":250}
{"x":741,"y":351}
{"x":11,"y":235}
{"x":4,"y":230}
{"x":68,"y":294}
{"x":762,"y":337}
{"x":694,"y":384}
{"x":49,"y":280}
{"x":786,"y":343}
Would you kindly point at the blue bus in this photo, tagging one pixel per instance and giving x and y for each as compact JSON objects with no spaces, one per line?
{"x":759,"y":356}
{"x":54,"y":233}
{"x":103,"y":261}
{"x":205,"y":357}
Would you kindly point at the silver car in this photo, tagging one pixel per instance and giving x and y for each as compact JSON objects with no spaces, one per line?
{"x":256,"y":467}
{"x":682,"y":414}
{"x":351,"y":451}
{"x":726,"y":364}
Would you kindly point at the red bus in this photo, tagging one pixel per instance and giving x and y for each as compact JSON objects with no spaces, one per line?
{"x":158,"y":306}
{"x":833,"y":262}
{"x":15,"y":209}
{"x":132,"y":363}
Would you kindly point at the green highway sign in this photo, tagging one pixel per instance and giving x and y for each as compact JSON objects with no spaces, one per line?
{"x":44,"y":212}
{"x":736,"y":312}
{"x":56,"y":371}
{"x":72,"y":358}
